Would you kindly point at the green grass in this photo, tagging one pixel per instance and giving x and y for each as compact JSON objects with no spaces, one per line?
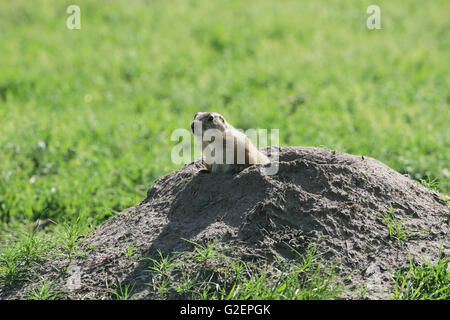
{"x":20,"y":256}
{"x":86,"y":115}
{"x":122,"y":291}
{"x":220,"y":277}
{"x":395,"y":227}
{"x":130,"y":250}
{"x":205,"y":252}
{"x":70,"y":235}
{"x":308,"y":278}
{"x":162,"y":266}
{"x":44,"y":292}
{"x":423,"y":281}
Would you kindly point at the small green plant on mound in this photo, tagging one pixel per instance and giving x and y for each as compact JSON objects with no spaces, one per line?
{"x":395,"y":227}
{"x":430,"y":183}
{"x":161,"y":271}
{"x":445,"y":199}
{"x":423,"y":282}
{"x":205,"y":252}
{"x":70,"y":235}
{"x":130,"y":250}
{"x":163,"y":267}
{"x":122,"y":291}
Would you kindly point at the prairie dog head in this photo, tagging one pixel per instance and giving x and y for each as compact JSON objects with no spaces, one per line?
{"x":208,"y":120}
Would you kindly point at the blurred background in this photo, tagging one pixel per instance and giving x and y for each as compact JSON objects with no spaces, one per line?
{"x":86,"y":115}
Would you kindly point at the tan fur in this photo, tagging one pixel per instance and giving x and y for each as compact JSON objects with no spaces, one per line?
{"x":213,"y":120}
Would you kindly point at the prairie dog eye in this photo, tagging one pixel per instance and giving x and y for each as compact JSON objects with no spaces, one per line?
{"x":211,"y":118}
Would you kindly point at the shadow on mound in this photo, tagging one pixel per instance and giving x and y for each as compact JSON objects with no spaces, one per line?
{"x":316,"y":193}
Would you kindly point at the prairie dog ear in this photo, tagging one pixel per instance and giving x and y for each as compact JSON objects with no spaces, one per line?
{"x":195,"y":116}
{"x":221,"y":118}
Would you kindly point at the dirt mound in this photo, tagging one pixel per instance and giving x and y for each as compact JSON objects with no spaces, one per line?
{"x":316,"y":193}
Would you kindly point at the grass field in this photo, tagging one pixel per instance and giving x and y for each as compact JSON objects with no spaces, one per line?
{"x":86,"y":115}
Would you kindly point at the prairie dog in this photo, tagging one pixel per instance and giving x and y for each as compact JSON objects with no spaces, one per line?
{"x":219,"y":139}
